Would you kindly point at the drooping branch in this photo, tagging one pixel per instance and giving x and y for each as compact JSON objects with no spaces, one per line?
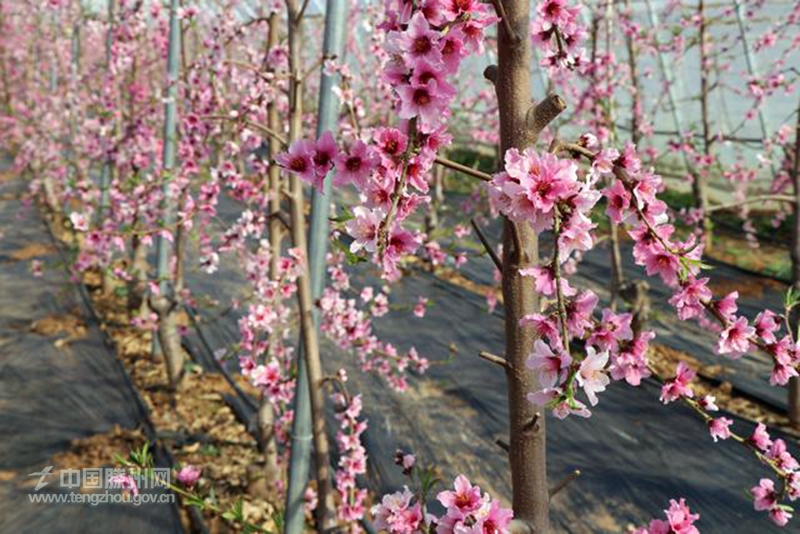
{"x":569,"y":479}
{"x":487,"y":246}
{"x":501,"y":13}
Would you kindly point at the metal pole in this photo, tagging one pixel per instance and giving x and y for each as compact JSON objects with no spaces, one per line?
{"x":76,"y":48}
{"x":55,"y":22}
{"x":169,"y":151}
{"x":105,"y":173}
{"x":665,"y":74}
{"x":327,"y":120}
{"x":752,"y":69}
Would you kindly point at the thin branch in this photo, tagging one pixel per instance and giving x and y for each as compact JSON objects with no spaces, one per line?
{"x":270,"y":132}
{"x":760,"y":198}
{"x":279,"y":217}
{"x":475,"y":173}
{"x":301,"y":13}
{"x":386,"y":225}
{"x":565,"y":482}
{"x":314,"y":66}
{"x":556,"y":266}
{"x":486,"y":245}
{"x":494,"y":358}
{"x":574,"y":148}
{"x":741,"y":440}
{"x":501,"y":12}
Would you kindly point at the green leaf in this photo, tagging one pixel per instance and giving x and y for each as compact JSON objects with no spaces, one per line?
{"x":346,"y":215}
{"x":236,"y":512}
{"x":352,"y":259}
{"x":792,"y":298}
{"x":196,"y":501}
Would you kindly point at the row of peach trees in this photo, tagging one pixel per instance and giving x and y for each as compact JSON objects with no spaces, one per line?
{"x":85,"y":96}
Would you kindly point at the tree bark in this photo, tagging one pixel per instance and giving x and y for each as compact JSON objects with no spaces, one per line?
{"x":266,"y":416}
{"x":169,"y":338}
{"x":274,"y":183}
{"x":137,"y":286}
{"x":794,"y":383}
{"x":310,"y":342}
{"x":527,"y":453}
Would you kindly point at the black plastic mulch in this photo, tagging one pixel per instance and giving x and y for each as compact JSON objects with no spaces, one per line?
{"x":634,"y":453}
{"x":52,"y":394}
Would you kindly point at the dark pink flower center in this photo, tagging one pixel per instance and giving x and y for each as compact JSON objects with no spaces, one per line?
{"x":422,"y":97}
{"x":391,"y":146}
{"x":421,"y":45}
{"x":425,"y":77}
{"x":353,"y":164}
{"x":553,"y":9}
{"x":298,"y":164}
{"x":449,"y":48}
{"x":322,"y":159}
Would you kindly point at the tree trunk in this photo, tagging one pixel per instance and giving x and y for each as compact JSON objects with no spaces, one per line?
{"x":527,"y":453}
{"x":266,"y":416}
{"x":137,"y":286}
{"x":309,"y":341}
{"x":169,"y":338}
{"x":274,"y":184}
{"x":794,"y":383}
{"x":432,"y":215}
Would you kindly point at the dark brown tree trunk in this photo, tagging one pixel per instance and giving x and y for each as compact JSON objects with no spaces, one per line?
{"x":266,"y":416}
{"x":527,"y":454}
{"x":794,"y":383}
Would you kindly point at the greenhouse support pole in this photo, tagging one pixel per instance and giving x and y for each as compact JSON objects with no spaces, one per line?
{"x":700,"y":185}
{"x":752,"y":69}
{"x":75,"y":48}
{"x":55,"y":22}
{"x":662,"y":64}
{"x":105,"y":173}
{"x":167,"y":328}
{"x":327,"y":120}
{"x":73,"y":78}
